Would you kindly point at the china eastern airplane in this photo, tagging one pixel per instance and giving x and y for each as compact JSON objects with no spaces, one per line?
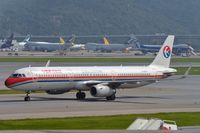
{"x":101,"y":81}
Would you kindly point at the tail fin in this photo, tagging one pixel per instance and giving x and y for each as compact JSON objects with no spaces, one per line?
{"x":10,"y":39}
{"x":72,"y":39}
{"x":62,"y":41}
{"x":106,"y":42}
{"x":134,"y":42}
{"x":8,"y":42}
{"x":11,"y":36}
{"x":164,"y":55}
{"x":27,"y":38}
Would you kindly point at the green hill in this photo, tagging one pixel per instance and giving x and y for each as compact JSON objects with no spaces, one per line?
{"x":87,"y":17}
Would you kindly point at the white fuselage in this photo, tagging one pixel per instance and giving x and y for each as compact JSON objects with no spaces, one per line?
{"x":67,"y":78}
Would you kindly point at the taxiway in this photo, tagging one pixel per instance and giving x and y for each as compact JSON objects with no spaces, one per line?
{"x":164,"y":96}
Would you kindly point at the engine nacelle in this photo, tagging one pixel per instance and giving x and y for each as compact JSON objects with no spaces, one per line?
{"x":56,"y":92}
{"x":102,"y":91}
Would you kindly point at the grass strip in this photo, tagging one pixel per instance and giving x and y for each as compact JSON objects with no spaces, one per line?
{"x":97,"y":122}
{"x":193,"y":71}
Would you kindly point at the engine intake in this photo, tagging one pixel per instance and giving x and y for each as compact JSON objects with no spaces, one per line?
{"x":102,"y":91}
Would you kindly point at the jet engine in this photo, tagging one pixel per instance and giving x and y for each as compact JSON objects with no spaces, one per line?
{"x":102,"y":91}
{"x":56,"y":92}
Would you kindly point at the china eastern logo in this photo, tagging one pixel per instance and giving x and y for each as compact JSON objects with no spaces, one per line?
{"x":167,"y":51}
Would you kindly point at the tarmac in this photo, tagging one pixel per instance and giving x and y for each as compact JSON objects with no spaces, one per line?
{"x":165,"y":96}
{"x":182,"y":130}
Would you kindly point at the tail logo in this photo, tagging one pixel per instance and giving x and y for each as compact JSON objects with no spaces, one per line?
{"x":167,"y":51}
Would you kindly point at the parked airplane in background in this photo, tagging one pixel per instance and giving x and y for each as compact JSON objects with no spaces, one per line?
{"x":178,"y":49}
{"x":42,"y":46}
{"x":101,"y":81}
{"x":74,"y":46}
{"x":108,"y":47}
{"x":7,"y":43}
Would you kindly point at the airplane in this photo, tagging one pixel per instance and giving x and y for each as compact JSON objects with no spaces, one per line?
{"x":108,"y":47}
{"x":7,"y":43}
{"x":178,"y":49}
{"x":101,"y":81}
{"x":42,"y":46}
{"x":73,"y":46}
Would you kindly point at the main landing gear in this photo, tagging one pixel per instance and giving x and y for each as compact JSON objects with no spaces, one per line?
{"x":27,"y":97}
{"x":111,"y":98}
{"x":80,"y":95}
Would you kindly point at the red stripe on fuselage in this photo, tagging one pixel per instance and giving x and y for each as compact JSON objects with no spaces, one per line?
{"x":11,"y":81}
{"x":92,"y":77}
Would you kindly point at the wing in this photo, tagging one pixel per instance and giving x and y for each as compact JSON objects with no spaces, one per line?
{"x":116,"y":83}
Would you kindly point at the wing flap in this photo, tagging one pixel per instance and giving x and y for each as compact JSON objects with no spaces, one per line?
{"x":115,"y":84}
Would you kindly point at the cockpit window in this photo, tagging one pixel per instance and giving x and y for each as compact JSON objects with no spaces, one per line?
{"x":17,"y":75}
{"x":14,"y":75}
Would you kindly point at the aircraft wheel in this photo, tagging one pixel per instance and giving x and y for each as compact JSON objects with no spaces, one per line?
{"x":80,"y":95}
{"x":111,"y":98}
{"x":27,"y":98}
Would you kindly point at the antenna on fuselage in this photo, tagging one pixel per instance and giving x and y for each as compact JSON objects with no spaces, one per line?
{"x":48,"y":63}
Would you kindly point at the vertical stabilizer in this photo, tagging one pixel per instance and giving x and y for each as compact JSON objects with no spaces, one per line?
{"x":72,"y":39}
{"x":62,"y":41}
{"x":10,"y":39}
{"x":27,"y":38}
{"x":134,"y":42}
{"x":8,"y":42}
{"x":164,"y":55}
{"x":106,"y":42}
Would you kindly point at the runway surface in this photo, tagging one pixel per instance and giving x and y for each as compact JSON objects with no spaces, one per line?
{"x":165,"y":96}
{"x":182,"y":130}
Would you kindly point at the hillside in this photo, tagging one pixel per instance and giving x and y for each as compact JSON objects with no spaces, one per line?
{"x":83,"y":17}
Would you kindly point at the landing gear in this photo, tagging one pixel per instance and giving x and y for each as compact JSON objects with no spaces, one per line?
{"x":111,"y":98}
{"x":27,"y":97}
{"x":80,"y":95}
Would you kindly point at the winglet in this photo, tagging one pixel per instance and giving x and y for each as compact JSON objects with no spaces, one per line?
{"x":48,"y":63}
{"x":106,"y":42}
{"x":187,"y":72}
{"x":164,"y":55}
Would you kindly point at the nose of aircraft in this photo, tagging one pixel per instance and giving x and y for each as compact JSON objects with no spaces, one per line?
{"x":8,"y":82}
